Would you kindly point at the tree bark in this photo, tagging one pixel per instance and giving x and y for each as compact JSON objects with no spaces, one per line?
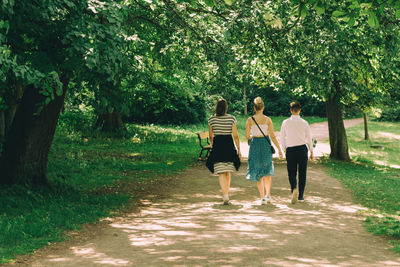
{"x":27,"y":145}
{"x":366,"y":135}
{"x":245,"y":101}
{"x":337,"y":132}
{"x":12,"y":105}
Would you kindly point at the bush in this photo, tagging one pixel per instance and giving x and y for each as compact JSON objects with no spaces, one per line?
{"x":76,"y":121}
{"x":277,"y":102}
{"x":165,"y":104}
{"x":390,"y":114}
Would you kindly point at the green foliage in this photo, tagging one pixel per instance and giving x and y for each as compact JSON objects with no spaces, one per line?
{"x":76,"y":121}
{"x":277,"y":102}
{"x":390,"y":113}
{"x":166,"y":103}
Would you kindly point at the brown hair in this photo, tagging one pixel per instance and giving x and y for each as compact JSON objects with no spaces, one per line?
{"x":221,"y":107}
{"x":295,"y":106}
{"x":258,"y":103}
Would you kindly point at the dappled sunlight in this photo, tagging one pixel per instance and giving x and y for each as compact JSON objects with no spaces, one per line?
{"x":57,"y":259}
{"x":387,"y":135}
{"x":237,"y":249}
{"x":191,"y":227}
{"x":98,"y":257}
{"x":165,"y":225}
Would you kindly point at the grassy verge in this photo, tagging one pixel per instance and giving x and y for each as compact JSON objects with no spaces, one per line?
{"x":85,"y":175}
{"x":370,"y":178}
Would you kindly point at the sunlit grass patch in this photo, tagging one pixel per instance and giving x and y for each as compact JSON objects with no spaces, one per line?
{"x":382,"y":148}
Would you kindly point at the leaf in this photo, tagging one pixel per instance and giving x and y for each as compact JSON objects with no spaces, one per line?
{"x":352,"y":21}
{"x":228,"y":2}
{"x":320,"y":10}
{"x":346,"y":19}
{"x":59,"y":91}
{"x":304,"y":11}
{"x":373,"y":20}
{"x":209,"y":3}
{"x":338,"y":13}
{"x":398,"y":14}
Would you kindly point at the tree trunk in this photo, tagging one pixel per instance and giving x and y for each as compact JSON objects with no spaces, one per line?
{"x":110,"y":121}
{"x":337,"y":132}
{"x":28,"y":142}
{"x":12,"y":105}
{"x":245,"y":101}
{"x":366,"y":135}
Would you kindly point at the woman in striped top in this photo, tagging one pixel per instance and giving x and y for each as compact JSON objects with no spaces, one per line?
{"x":224,"y":157}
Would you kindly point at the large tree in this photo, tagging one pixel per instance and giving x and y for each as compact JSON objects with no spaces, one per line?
{"x":46,"y":45}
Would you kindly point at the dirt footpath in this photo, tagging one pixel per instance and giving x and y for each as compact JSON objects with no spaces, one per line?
{"x":187,"y":225}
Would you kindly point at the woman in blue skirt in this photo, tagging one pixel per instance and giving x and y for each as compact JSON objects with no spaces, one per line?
{"x":260,"y":166}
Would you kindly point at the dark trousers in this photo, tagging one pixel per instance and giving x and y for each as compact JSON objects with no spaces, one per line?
{"x":297,"y":158}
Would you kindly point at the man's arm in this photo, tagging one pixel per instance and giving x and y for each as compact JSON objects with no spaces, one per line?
{"x":283,"y":136}
{"x":309,"y":141}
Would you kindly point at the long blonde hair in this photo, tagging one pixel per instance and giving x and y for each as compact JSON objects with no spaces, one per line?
{"x":258,"y":103}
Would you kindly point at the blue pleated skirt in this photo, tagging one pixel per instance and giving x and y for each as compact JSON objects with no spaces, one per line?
{"x":260,"y":159}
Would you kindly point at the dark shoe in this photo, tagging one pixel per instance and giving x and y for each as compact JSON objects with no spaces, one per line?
{"x":225,"y":198}
{"x":301,"y":199}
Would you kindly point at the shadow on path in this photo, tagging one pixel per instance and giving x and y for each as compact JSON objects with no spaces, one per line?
{"x":189,"y":226}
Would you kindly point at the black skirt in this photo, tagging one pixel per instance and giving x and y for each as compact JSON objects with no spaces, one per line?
{"x":223,"y":151}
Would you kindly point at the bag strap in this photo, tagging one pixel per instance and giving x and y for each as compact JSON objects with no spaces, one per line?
{"x":261,"y":130}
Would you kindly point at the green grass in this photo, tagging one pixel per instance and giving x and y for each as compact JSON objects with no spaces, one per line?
{"x":374,"y":183}
{"x":87,"y":177}
{"x":383,"y":134}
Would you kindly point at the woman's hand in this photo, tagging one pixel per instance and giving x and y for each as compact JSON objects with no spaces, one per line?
{"x":280,"y":154}
{"x":239,"y":155}
{"x":312,"y":156}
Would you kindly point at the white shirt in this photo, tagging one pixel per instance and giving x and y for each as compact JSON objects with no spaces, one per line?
{"x":295,"y":132}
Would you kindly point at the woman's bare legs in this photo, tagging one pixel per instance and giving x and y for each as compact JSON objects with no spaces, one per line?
{"x":224,"y":182}
{"x":267,"y":184}
{"x":260,"y":186}
{"x":228,"y":181}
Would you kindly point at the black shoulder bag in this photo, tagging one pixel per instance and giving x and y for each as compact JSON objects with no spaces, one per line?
{"x":272,"y":148}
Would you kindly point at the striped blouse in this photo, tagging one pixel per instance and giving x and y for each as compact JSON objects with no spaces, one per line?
{"x":222,"y":125}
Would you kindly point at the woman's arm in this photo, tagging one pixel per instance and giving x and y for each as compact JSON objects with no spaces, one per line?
{"x":248,"y":126}
{"x":273,"y":137}
{"x":211,"y":134}
{"x":236,"y":139}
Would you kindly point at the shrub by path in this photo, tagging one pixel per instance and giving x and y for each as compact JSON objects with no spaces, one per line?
{"x":184,"y":223}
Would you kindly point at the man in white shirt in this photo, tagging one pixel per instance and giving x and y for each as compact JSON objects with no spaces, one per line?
{"x":295,"y":138}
